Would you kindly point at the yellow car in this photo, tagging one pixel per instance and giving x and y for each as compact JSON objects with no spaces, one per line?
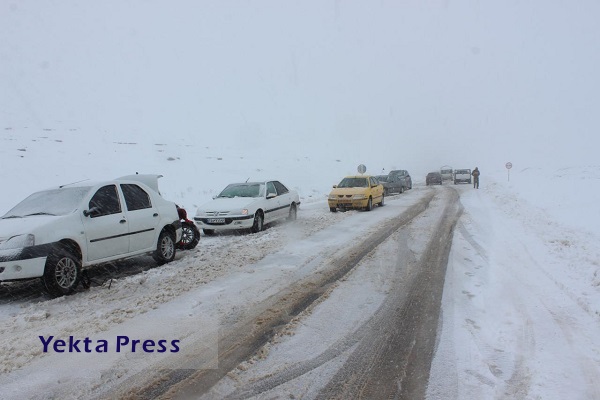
{"x":356,"y":192}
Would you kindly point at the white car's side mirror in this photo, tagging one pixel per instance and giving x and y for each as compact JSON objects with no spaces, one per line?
{"x":91,"y":212}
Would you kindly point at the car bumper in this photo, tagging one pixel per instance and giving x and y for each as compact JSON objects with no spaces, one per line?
{"x":348,"y":204}
{"x":227,"y":224}
{"x":25,"y":263}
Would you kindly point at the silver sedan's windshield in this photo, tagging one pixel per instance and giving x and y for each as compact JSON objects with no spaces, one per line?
{"x":49,"y":202}
{"x":243,"y":190}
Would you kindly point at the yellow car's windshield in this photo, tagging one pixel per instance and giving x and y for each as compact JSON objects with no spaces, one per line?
{"x":353,"y":182}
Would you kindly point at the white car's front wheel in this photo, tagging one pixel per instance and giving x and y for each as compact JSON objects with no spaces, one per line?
{"x":62,"y":273}
{"x":257,"y":226}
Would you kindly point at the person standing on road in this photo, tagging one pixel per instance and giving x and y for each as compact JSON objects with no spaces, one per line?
{"x":475,"y":174}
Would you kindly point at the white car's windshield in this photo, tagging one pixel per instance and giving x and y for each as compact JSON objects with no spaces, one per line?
{"x":243,"y":190}
{"x":49,"y":202}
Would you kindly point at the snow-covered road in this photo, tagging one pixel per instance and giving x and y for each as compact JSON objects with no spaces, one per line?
{"x":323,"y":306}
{"x":229,"y":279}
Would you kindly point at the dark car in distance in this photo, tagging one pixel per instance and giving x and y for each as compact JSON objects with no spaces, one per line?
{"x":390,"y":185}
{"x":433,"y":178}
{"x":400,"y":177}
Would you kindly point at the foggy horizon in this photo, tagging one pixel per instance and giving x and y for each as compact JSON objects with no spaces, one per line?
{"x":408,"y":85}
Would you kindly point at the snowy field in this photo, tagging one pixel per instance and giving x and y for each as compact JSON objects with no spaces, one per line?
{"x":522,"y":297}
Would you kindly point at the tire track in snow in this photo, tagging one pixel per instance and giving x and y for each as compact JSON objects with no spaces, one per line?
{"x":245,"y":339}
{"x":387,"y":354}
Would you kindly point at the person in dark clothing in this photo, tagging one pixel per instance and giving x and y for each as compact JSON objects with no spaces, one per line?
{"x":475,"y":174}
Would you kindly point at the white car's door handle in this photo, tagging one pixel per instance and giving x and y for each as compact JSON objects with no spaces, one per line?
{"x":122,"y":221}
{"x":155,"y":215}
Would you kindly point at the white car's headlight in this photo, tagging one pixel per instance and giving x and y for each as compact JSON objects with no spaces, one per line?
{"x":17,"y":242}
{"x":245,"y":211}
{"x":359,"y":196}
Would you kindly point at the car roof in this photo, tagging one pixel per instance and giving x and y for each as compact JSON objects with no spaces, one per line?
{"x":149,"y":180}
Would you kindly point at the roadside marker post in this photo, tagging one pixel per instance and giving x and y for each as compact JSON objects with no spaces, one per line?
{"x":508,"y":167}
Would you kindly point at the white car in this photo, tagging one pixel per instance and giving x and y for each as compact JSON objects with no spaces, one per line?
{"x":462,"y":176}
{"x":55,"y":233}
{"x":247,"y":205}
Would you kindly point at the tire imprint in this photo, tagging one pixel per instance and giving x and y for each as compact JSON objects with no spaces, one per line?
{"x":393,"y":361}
{"x":373,"y":370}
{"x":245,"y":338}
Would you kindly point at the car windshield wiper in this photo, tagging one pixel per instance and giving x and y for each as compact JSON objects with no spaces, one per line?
{"x":12,"y":216}
{"x":39,"y":213}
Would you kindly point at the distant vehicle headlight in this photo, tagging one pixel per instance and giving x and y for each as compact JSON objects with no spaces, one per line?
{"x":332,"y":197}
{"x":359,"y":197}
{"x":17,"y":242}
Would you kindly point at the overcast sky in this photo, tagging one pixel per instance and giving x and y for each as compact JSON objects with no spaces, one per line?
{"x":388,"y":83}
